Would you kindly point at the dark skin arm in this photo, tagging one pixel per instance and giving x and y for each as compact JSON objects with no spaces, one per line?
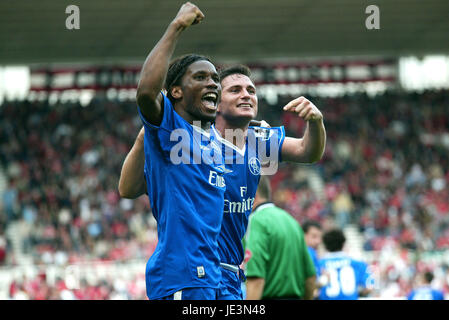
{"x":132,"y":183}
{"x":154,"y":70}
{"x":149,"y":98}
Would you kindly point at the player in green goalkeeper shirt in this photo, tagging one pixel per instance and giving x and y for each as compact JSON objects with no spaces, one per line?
{"x":278,"y":264}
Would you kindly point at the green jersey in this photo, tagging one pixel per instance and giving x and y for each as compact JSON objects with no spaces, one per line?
{"x":277,"y":252}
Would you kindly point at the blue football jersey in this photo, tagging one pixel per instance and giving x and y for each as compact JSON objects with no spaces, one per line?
{"x":425,"y":293}
{"x":345,"y":275}
{"x":185,"y":185}
{"x":244,"y":169}
{"x":314,"y":257}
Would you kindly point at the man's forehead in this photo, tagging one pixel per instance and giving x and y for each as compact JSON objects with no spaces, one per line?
{"x":237,"y":79}
{"x":201,"y":65}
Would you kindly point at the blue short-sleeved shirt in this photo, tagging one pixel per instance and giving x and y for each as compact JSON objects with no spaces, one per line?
{"x":242,"y":178}
{"x":425,"y":293}
{"x":185,"y":185}
{"x":346,"y":276}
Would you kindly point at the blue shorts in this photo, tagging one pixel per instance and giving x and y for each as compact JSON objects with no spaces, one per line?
{"x":230,"y":286}
{"x":193,"y":294}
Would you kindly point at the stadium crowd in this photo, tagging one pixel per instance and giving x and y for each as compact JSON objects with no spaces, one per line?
{"x":62,"y":164}
{"x":385,"y":169}
{"x":96,"y":288}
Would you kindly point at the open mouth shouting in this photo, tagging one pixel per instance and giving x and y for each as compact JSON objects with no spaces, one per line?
{"x":210,"y":100}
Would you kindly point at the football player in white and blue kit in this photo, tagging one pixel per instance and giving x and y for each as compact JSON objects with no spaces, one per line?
{"x":183,"y":179}
{"x":347,"y":278}
{"x":245,"y":148}
{"x":248,"y":148}
{"x":424,"y":290}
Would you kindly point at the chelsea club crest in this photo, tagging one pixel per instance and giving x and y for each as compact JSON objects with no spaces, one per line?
{"x":254,"y":166}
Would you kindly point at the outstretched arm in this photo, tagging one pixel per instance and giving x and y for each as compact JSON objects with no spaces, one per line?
{"x":132,"y":182}
{"x":154,"y":70}
{"x":310,"y":147}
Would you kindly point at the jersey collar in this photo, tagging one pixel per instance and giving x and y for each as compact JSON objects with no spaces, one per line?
{"x":264,"y":205}
{"x":227,"y":143}
{"x":200,"y":130}
{"x":335,"y":254}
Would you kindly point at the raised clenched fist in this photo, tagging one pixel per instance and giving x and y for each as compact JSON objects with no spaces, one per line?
{"x":188,"y":15}
{"x":304,"y":108}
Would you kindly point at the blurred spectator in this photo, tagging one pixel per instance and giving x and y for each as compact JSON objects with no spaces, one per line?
{"x":10,"y":203}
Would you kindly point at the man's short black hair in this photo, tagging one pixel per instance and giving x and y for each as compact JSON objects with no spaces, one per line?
{"x":428,"y":276}
{"x":310,"y":224}
{"x":177,"y":69}
{"x":334,"y":240}
{"x":237,"y":69}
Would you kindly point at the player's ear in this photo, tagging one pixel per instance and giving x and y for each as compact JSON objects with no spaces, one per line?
{"x":176,"y":92}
